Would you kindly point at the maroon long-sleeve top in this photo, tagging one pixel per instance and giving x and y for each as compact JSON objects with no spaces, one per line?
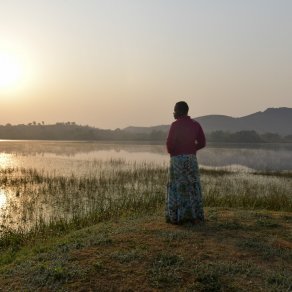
{"x":185,"y":136}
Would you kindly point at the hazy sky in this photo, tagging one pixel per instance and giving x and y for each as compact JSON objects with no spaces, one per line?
{"x":126,"y":62}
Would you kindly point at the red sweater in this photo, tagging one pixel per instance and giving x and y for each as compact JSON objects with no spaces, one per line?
{"x":185,"y":137}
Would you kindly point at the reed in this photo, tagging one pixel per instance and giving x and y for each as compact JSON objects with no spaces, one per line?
{"x":40,"y":203}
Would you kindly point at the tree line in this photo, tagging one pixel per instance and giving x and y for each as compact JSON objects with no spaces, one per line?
{"x":247,"y":137}
{"x":72,"y":131}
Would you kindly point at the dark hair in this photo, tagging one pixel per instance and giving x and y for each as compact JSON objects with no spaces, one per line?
{"x":182,"y":107}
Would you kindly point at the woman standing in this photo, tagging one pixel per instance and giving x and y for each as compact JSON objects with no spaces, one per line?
{"x":184,"y":195}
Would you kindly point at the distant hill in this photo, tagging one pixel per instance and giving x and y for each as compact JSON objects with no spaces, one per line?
{"x":146,"y":130}
{"x":272,"y":120}
{"x":271,"y":126}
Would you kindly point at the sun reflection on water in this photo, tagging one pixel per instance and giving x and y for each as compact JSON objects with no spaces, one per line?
{"x":5,"y":160}
{"x":2,"y":198}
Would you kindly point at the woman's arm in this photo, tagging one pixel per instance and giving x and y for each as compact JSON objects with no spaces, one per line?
{"x":201,"y":139}
{"x":170,"y":142}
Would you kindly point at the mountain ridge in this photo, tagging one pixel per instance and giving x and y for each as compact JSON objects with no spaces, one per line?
{"x":271,"y":120}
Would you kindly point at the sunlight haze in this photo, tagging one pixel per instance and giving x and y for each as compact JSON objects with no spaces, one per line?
{"x":112,"y":64}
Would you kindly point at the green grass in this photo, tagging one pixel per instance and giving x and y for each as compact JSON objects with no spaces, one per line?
{"x":144,"y":253}
{"x":128,"y":255}
{"x":265,"y":249}
{"x":165,"y":269}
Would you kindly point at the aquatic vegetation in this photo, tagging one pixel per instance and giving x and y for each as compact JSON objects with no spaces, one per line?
{"x":38,"y":200}
{"x":249,"y":191}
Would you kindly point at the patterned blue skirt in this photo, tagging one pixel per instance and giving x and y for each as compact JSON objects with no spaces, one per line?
{"x":184,"y":194}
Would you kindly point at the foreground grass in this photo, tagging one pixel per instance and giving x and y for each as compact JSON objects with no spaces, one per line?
{"x":236,"y":250}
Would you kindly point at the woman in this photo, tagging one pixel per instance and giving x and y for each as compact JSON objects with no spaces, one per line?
{"x":184,"y":196}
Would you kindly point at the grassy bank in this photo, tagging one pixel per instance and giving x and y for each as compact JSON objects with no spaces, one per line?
{"x":105,"y":230}
{"x":236,"y":250}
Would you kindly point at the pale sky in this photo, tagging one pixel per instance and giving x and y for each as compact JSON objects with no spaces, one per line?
{"x":117,"y":63}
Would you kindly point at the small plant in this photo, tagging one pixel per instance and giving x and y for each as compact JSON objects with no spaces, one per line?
{"x":267,"y":223}
{"x":98,"y":266}
{"x":128,"y":256}
{"x":165,"y":270}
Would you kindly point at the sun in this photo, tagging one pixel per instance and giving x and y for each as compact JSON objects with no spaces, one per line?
{"x":10,"y":70}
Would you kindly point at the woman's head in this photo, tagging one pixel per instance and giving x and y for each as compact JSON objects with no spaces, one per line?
{"x":181,"y":109}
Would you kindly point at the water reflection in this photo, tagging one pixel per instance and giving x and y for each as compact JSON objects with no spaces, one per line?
{"x":256,"y":159}
{"x":63,"y":155}
{"x":2,"y":199}
{"x":6,"y":160}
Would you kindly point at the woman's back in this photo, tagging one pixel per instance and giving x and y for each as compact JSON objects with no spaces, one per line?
{"x":185,"y":137}
{"x":184,"y":196}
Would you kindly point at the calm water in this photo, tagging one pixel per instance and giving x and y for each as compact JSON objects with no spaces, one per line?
{"x":67,"y":157}
{"x":21,"y":205}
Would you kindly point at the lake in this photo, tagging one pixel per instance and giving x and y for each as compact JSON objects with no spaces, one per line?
{"x":47,"y":181}
{"x":68,"y":157}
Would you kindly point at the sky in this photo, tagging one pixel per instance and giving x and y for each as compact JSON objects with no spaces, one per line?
{"x":112,"y":64}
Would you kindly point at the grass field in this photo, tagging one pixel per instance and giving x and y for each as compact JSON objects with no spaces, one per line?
{"x":105,"y":230}
{"x":235,"y":250}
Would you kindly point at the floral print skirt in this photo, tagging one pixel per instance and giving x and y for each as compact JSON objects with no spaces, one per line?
{"x":184,"y":194}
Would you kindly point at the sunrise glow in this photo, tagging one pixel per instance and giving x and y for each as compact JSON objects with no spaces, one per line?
{"x":11,"y":71}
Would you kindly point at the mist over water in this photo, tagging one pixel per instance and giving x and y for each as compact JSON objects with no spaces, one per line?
{"x":67,"y":157}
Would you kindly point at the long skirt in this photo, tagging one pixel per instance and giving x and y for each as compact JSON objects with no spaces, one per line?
{"x":184,"y":194}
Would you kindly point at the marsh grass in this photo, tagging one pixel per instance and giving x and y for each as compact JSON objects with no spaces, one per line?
{"x":40,"y":203}
{"x":248,"y":191}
